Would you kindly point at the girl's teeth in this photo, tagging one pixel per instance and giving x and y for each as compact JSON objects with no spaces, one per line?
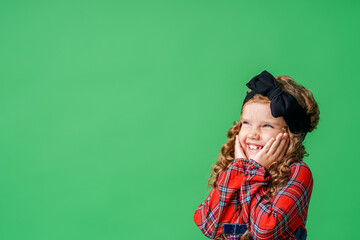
{"x":254,"y":147}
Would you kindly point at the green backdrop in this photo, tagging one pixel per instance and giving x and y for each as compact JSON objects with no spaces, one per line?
{"x":112,"y":112}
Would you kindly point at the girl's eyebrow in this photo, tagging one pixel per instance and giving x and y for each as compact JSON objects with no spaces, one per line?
{"x":263,"y":122}
{"x":271,"y":123}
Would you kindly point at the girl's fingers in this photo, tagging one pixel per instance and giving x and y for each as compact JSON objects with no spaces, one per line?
{"x":286,"y":146}
{"x":276,"y":144}
{"x":282,"y":146}
{"x":267,"y":146}
{"x":239,"y":152}
{"x":236,"y":146}
{"x":241,"y":149}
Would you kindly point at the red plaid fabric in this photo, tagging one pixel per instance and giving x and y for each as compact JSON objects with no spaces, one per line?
{"x":240,"y":198}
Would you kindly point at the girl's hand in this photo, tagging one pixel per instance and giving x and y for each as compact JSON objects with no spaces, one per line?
{"x":273,"y":150}
{"x":239,"y":152}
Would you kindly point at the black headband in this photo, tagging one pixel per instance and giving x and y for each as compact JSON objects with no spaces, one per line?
{"x":282,"y":103}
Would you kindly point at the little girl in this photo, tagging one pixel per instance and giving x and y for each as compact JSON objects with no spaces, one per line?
{"x":260,"y":187}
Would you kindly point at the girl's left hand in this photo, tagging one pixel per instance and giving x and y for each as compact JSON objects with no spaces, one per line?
{"x":273,"y":150}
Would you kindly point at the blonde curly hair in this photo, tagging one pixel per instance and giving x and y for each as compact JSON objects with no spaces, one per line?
{"x":279,"y":170}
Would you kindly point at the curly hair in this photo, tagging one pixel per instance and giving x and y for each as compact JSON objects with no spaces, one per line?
{"x":279,"y":170}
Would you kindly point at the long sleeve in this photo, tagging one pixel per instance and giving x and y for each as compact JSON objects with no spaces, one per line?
{"x":287,"y":210}
{"x":222,"y":204}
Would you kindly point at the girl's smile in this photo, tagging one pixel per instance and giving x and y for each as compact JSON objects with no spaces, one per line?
{"x":258,"y":127}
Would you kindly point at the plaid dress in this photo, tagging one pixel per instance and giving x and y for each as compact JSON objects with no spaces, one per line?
{"x":240,"y":198}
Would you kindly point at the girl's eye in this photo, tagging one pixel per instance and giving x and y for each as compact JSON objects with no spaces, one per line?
{"x":267,"y":125}
{"x":245,"y":123}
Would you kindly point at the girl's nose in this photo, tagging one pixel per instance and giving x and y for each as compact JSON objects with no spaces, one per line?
{"x":253,"y":134}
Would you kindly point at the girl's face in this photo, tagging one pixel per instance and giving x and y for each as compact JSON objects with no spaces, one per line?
{"x":258,"y":127}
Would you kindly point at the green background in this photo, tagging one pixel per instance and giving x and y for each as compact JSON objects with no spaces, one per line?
{"x":112,"y":112}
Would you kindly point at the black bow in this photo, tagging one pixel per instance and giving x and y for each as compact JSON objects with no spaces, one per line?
{"x":282,"y":103}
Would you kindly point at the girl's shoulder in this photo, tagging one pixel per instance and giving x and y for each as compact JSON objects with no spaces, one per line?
{"x":299,"y":164}
{"x":300,"y":168}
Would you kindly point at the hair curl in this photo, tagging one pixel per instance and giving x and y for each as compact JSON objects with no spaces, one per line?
{"x":279,"y":170}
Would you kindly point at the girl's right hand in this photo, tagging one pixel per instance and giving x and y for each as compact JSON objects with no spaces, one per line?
{"x":239,"y":152}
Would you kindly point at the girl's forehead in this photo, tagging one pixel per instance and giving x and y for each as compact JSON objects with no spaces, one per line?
{"x":255,"y":108}
{"x":259,"y":112}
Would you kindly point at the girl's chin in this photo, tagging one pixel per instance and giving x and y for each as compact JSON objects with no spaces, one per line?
{"x":251,"y":154}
